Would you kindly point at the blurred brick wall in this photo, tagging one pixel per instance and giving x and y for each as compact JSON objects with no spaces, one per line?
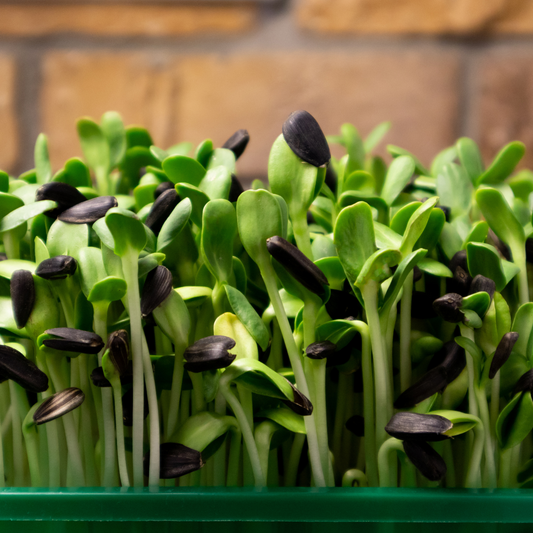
{"x":438,"y":69}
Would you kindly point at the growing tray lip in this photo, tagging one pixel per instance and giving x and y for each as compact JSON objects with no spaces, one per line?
{"x":192,"y":504}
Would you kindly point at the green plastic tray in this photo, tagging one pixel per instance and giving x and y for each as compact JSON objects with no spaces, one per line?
{"x":238,"y":510}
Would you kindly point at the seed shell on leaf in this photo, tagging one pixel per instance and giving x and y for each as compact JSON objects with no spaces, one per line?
{"x":301,"y":405}
{"x":459,"y":260}
{"x":118,"y":347}
{"x":22,"y":288}
{"x":297,"y":264}
{"x":503,"y":352}
{"x":448,"y":307}
{"x":452,"y":358}
{"x":161,"y":209}
{"x":89,"y":211}
{"x":58,"y":267}
{"x":58,"y":404}
{"x":237,"y":142}
{"x":236,"y":189}
{"x":428,"y":462}
{"x":162,"y":187}
{"x":15,"y":366}
{"x":306,"y":139}
{"x":416,"y":426}
{"x":431,"y":382}
{"x":320,"y":350}
{"x":99,"y":380}
{"x":64,"y":194}
{"x":209,"y":353}
{"x":176,"y":460}
{"x":74,"y":340}
{"x":156,"y":290}
{"x":525,"y":383}
{"x":482,"y":284}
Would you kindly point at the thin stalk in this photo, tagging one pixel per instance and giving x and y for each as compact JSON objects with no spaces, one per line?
{"x":234,"y":458}
{"x":175,"y":393}
{"x":405,"y":333}
{"x":219,"y":459}
{"x":523,"y":291}
{"x":472,"y":403}
{"x":109,"y":450}
{"x":472,"y":480}
{"x":494,"y":404}
{"x":491,"y":481}
{"x":130,"y":269}
{"x":345,"y":381}
{"x":32,"y":448}
{"x":504,"y":482}
{"x":301,"y":233}
{"x":389,"y":447}
{"x":198,"y":392}
{"x":262,"y":437}
{"x":368,"y":404}
{"x":86,"y":426}
{"x":269,"y":277}
{"x":18,"y":451}
{"x":294,"y":460}
{"x":247,"y":434}
{"x":119,"y":421}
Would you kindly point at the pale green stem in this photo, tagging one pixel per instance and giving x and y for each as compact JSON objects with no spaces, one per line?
{"x":219,"y":459}
{"x":86,"y":426}
{"x":405,"y":333}
{"x":301,"y":233}
{"x":119,"y":420}
{"x":130,"y":269}
{"x":18,"y":452}
{"x":198,"y":392}
{"x":247,"y":434}
{"x":504,"y":482}
{"x":291,"y":473}
{"x":109,"y":448}
{"x":269,"y":277}
{"x":494,"y":404}
{"x":389,"y":447}
{"x":354,"y":476}
{"x":472,"y":404}
{"x":32,"y":449}
{"x":345,"y":382}
{"x":175,"y":393}
{"x":262,"y":437}
{"x":474,"y":466}
{"x":491,"y":481}
{"x":523,"y":290}
{"x":234,"y":458}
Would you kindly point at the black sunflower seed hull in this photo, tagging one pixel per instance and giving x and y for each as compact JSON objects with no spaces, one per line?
{"x":161,"y":209}
{"x":58,"y":267}
{"x":460,"y":283}
{"x":301,"y":404}
{"x":64,"y":194}
{"x":162,"y":187}
{"x":452,"y":358}
{"x":58,"y":404}
{"x":482,"y":284}
{"x":331,"y":178}
{"x":525,"y":383}
{"x":306,"y":139}
{"x":431,"y":382}
{"x":22,"y":290}
{"x":320,"y":350}
{"x":503,"y":352}
{"x":356,"y":425}
{"x":459,"y":260}
{"x":14,"y":366}
{"x":529,"y":250}
{"x":98,"y":378}
{"x":176,"y":460}
{"x":236,"y":189}
{"x":89,"y":211}
{"x":427,"y":461}
{"x":209,"y":353}
{"x":419,"y":427}
{"x":297,"y":264}
{"x":446,"y":210}
{"x":74,"y":340}
{"x":156,"y":290}
{"x":448,"y":307}
{"x":118,"y":346}
{"x":237,"y":143}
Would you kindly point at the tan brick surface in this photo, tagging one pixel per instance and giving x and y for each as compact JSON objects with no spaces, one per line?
{"x":416,"y":16}
{"x":417,"y":91}
{"x":8,"y":122}
{"x":504,"y":102}
{"x":142,"y":87}
{"x":123,"y":19}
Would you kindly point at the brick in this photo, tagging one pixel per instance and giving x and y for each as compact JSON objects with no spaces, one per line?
{"x":503,"y":99}
{"x":124,"y":20}
{"x":415,"y":16}
{"x":141,"y":87}
{"x":417,"y":91}
{"x":9,"y":144}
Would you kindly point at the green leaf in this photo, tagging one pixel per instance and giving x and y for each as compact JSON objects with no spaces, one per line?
{"x":4,"y":181}
{"x":386,"y":237}
{"x":471,"y":348}
{"x":248,"y":316}
{"x":216,"y":184}
{"x":194,"y":296}
{"x":470,"y":158}
{"x":377,"y":267}
{"x":197,"y":198}
{"x":203,"y":151}
{"x":515,"y":421}
{"x":396,"y":152}
{"x":435,"y":268}
{"x":94,"y":145}
{"x":222,"y":157}
{"x":9,"y":266}
{"x":376,"y":135}
{"x":478,"y":302}
{"x":503,"y":164}
{"x":285,"y":418}
{"x":258,"y":218}
{"x":339,"y":332}
{"x":478,"y":233}
{"x":462,"y":422}
{"x":333,"y":270}
{"x":21,"y":215}
{"x":219,"y":229}
{"x":523,"y":325}
{"x":416,"y":226}
{"x":354,"y":238}
{"x":484,"y":259}
{"x":449,"y":240}
{"x":174,"y":319}
{"x":353,"y":143}
{"x":229,"y":325}
{"x":174,"y":224}
{"x":454,"y":189}
{"x":115,"y":133}
{"x":360,"y":180}
{"x":138,"y":136}
{"x":67,"y":239}
{"x":398,"y":176}
{"x":442,"y":158}
{"x":183,"y":169}
{"x":352,"y":197}
{"x":127,"y":230}
{"x":43,"y":168}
